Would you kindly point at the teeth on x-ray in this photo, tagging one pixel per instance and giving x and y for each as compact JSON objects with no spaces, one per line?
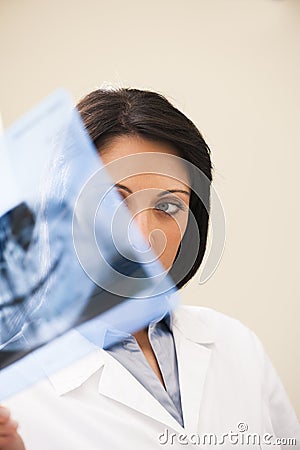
{"x":45,"y":289}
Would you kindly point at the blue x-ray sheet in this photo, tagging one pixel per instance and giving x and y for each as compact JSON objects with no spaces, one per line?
{"x":74,"y":269}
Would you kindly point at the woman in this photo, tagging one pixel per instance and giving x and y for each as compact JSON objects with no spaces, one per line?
{"x":193,"y":372}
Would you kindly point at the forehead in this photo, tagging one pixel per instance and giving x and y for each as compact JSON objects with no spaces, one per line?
{"x":145,"y":162}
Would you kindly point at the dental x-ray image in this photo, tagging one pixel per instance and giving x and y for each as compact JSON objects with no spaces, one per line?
{"x":72,"y":264}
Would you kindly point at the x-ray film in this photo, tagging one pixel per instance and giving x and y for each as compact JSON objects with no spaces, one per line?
{"x":73,"y":266}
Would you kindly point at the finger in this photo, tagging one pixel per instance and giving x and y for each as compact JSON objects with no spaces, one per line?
{"x":4,"y":414}
{"x":11,"y":442}
{"x":8,"y":428}
{"x":5,"y":441}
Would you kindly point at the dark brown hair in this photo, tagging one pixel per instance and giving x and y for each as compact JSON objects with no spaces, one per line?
{"x":110,"y":113}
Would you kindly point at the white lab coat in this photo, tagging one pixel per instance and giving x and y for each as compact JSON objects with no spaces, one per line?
{"x":227,"y":385}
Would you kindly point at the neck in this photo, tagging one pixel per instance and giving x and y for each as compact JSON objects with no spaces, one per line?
{"x":142,"y":338}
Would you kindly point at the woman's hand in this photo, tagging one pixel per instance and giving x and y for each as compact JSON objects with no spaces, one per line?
{"x":9,"y":437}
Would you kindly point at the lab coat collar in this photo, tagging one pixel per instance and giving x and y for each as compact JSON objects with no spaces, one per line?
{"x":195,"y":323}
{"x":73,"y":373}
{"x":191,"y":333}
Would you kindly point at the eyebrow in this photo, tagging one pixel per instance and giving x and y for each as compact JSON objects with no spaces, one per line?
{"x":121,"y":186}
{"x":161,"y":194}
{"x":170,"y":191}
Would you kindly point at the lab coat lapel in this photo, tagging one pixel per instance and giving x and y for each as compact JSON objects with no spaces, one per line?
{"x":192,"y":338}
{"x":119,"y":384}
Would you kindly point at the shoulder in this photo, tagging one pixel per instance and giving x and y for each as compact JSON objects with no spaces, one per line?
{"x":238,"y":360}
{"x":218,"y":322}
{"x":210,"y":326}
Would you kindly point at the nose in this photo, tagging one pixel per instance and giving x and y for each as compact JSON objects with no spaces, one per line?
{"x":144,"y":223}
{"x":153,"y":233}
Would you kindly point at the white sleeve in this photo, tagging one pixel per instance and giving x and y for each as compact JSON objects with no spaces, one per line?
{"x":278,"y":407}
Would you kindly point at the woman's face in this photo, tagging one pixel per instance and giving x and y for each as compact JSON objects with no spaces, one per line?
{"x":158,"y":201}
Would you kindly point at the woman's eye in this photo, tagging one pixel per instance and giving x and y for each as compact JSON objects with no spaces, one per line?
{"x":169,"y":207}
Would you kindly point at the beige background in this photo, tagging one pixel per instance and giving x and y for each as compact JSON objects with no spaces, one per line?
{"x":233,"y":66}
